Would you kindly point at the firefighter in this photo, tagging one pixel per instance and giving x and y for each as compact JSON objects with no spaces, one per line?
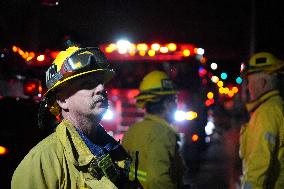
{"x":262,"y":138}
{"x":160,"y":164}
{"x":79,"y":154}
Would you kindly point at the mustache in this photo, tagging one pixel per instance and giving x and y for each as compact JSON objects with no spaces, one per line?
{"x":100,"y":98}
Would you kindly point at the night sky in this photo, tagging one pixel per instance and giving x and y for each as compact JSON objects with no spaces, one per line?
{"x":223,"y":28}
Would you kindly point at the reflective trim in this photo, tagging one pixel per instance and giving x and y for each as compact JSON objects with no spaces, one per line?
{"x":271,"y":138}
{"x":140,"y":174}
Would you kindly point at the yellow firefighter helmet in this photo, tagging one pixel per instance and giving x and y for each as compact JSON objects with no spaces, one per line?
{"x":72,"y":63}
{"x":154,"y":85}
{"x":263,"y":62}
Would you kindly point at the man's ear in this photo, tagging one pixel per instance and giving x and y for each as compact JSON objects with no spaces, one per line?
{"x":166,"y":104}
{"x":263,"y":83}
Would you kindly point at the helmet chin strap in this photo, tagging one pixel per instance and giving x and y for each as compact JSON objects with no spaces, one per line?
{"x":42,"y":112}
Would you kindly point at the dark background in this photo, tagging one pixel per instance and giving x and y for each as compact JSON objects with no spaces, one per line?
{"x":227,"y":30}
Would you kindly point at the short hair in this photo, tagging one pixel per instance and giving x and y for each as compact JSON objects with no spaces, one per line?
{"x":157,"y":106}
{"x":271,"y":79}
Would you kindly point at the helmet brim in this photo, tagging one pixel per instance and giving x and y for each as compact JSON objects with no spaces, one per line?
{"x":144,"y":95}
{"x":267,"y":69}
{"x":108,"y":74}
{"x":143,"y":98}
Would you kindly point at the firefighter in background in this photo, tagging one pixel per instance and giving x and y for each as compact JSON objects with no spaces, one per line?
{"x":79,"y":154}
{"x":262,"y":139}
{"x":160,"y":164}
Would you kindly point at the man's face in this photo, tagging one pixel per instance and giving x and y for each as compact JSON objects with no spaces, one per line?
{"x":171,"y":107}
{"x":255,"y":85}
{"x":87,"y":97}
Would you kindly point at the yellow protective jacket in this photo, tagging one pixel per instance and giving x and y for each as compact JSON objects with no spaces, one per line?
{"x":62,"y":160}
{"x":262,"y":144}
{"x":160,"y":165}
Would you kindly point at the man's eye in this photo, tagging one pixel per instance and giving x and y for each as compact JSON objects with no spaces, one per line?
{"x":86,"y":85}
{"x":89,"y":84}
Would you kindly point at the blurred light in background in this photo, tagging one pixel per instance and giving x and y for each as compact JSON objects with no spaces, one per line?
{"x":190,"y":115}
{"x":214,"y":79}
{"x":108,"y":115}
{"x":155,"y":46}
{"x":3,"y":150}
{"x":204,"y":81}
{"x":201,"y":71}
{"x":40,"y":58}
{"x":207,"y":139}
{"x":142,"y":47}
{"x":226,"y":90}
{"x":224,"y":75}
{"x":214,"y":66}
{"x":203,"y":59}
{"x":172,"y":46}
{"x":242,"y":67}
{"x":32,"y":88}
{"x":210,"y":95}
{"x":110,"y":48}
{"x":200,"y":51}
{"x":25,"y":54}
{"x":239,"y":80}
{"x":194,"y":137}
{"x":235,"y":89}
{"x":179,"y":115}
{"x":221,"y":90}
{"x":123,"y":46}
{"x":231,"y":94}
{"x":142,"y":53}
{"x":50,"y":2}
{"x":182,"y":115}
{"x":164,"y":49}
{"x":220,"y":83}
{"x":186,"y":52}
{"x":209,"y":128}
{"x":54,"y":54}
{"x":209,"y":102}
{"x":151,"y":52}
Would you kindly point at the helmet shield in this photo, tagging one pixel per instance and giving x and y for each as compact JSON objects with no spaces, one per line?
{"x":82,"y":60}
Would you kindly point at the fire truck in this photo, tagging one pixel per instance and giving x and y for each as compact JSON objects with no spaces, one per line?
{"x":132,"y":62}
{"x":22,"y":84}
{"x":184,"y":63}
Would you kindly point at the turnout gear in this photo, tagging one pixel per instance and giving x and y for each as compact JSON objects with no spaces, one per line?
{"x":79,"y":154}
{"x":160,"y":165}
{"x":154,"y":85}
{"x":262,"y":143}
{"x":66,"y":161}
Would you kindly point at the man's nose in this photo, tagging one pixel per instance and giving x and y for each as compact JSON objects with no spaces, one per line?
{"x":100,"y":89}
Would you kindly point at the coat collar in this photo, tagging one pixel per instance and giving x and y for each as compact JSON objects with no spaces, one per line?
{"x":76,"y":149}
{"x":161,"y":121}
{"x":252,"y":106}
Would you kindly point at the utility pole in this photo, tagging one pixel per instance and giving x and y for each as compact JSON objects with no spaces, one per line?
{"x":253,"y":28}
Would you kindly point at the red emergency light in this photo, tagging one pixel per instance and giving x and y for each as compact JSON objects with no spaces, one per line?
{"x":127,"y":51}
{"x":32,"y":88}
{"x":3,"y":150}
